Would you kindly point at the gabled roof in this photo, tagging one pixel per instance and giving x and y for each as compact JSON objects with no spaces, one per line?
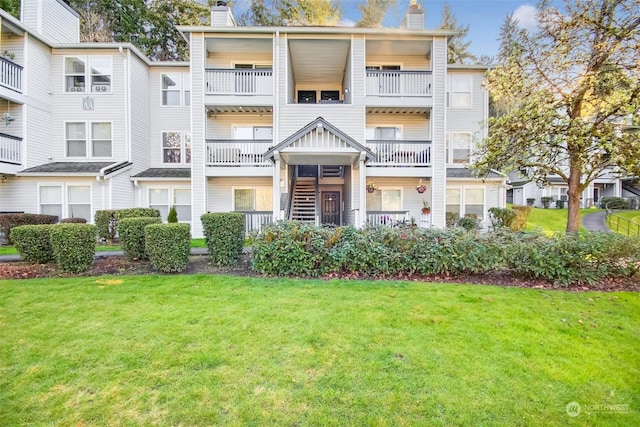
{"x":320,"y":124}
{"x":76,"y":168}
{"x":166,"y":173}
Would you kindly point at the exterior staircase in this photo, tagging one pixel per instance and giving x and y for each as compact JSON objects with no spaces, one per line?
{"x":632,"y":187}
{"x":303,"y":206}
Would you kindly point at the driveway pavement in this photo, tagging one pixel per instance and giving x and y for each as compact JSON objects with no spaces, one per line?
{"x":595,"y":221}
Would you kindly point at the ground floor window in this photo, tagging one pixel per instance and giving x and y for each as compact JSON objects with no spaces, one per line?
{"x":465,"y":201}
{"x":385,"y":199}
{"x":163,"y":198}
{"x":252,"y":199}
{"x":65,"y":200}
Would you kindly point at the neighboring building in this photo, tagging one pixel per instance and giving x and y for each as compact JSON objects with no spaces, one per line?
{"x":277,"y":122}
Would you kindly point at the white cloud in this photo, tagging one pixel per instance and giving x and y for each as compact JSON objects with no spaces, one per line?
{"x":345,"y":22}
{"x":526,"y":16}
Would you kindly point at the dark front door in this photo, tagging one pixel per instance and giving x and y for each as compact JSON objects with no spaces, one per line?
{"x":330,"y":207}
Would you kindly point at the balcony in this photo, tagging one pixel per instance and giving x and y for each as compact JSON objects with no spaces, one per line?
{"x":257,"y":82}
{"x":394,"y":83}
{"x":10,"y":149}
{"x":236,"y":152}
{"x":10,"y":75}
{"x":387,"y":218}
{"x":400,"y":153}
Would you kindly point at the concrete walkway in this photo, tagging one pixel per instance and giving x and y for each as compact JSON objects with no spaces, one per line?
{"x":99,"y":255}
{"x":595,"y":221}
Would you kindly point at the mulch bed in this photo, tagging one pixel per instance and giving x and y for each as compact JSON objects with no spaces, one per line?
{"x":199,"y":264}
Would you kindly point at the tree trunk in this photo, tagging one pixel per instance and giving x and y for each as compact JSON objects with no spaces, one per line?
{"x":575,"y":190}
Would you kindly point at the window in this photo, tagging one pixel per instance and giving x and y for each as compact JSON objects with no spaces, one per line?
{"x":384,"y":133}
{"x":176,"y":89}
{"x":385,"y":199}
{"x":51,"y":200}
{"x":97,"y":73}
{"x":253,"y":132}
{"x":460,"y":96}
{"x":79,"y":202}
{"x":458,"y":147}
{"x":164,"y":198}
{"x":77,"y":141}
{"x":176,"y":147}
{"x":471,"y":205}
{"x":66,"y":201}
{"x":250,"y":199}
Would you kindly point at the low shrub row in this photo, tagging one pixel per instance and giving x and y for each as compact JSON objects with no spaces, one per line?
{"x":71,"y":246}
{"x":107,"y":220}
{"x":293,"y":248}
{"x":10,"y":221}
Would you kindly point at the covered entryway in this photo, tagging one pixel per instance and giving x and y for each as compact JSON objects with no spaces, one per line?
{"x":330,"y":201}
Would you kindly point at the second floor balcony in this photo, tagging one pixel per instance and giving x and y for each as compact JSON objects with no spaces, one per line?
{"x":239,"y":81}
{"x":236,"y":152}
{"x":10,"y":75}
{"x":10,"y":149}
{"x":400,"y":153}
{"x":398,"y":83}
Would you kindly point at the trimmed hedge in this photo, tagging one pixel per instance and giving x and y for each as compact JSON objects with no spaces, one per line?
{"x":33,"y":242}
{"x":224,"y":234}
{"x":168,"y":246}
{"x":131,"y":232}
{"x":73,"y":246}
{"x":73,"y":221}
{"x":9,"y":221}
{"x":299,"y":249}
{"x":137,"y":213}
{"x":105,"y":221}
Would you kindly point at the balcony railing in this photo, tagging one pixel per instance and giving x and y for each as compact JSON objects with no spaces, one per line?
{"x":237,"y":152}
{"x":400,"y":152}
{"x":10,"y":75}
{"x":398,"y":83}
{"x":239,"y":82}
{"x":255,"y":221}
{"x":387,"y":218}
{"x":10,"y":149}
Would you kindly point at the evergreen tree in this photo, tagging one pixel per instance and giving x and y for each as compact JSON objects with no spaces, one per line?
{"x":458,"y":46}
{"x":373,"y":12}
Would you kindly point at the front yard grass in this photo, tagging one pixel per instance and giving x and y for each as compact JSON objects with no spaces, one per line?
{"x":552,"y":220}
{"x":212,"y":350}
{"x":627,"y":222}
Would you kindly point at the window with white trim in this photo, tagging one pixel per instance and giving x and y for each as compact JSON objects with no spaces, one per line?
{"x":453,"y":201}
{"x":253,"y":199}
{"x":385,"y":199}
{"x":81,"y":72}
{"x":458,"y":147}
{"x":176,"y":89}
{"x":65,"y":200}
{"x":98,"y":144}
{"x":253,"y":132}
{"x":460,"y":94}
{"x":176,"y":147}
{"x":163,"y":198}
{"x":465,"y":201}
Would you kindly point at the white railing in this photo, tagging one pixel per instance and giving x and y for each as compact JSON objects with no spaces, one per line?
{"x":10,"y":149}
{"x":239,"y":82}
{"x":237,"y":152}
{"x":387,"y":218}
{"x":400,"y":152}
{"x":10,"y":75}
{"x":255,"y":221}
{"x":398,"y":83}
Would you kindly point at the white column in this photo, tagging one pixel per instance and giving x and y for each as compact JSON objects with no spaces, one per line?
{"x":276,"y":186}
{"x":198,"y":125}
{"x":362,"y":218}
{"x":439,"y":119}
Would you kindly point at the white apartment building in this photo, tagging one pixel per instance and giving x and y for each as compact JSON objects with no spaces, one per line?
{"x":276,"y":122}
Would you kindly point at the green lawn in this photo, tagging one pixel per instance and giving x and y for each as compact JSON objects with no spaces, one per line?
{"x":551,"y":220}
{"x":211,"y":350}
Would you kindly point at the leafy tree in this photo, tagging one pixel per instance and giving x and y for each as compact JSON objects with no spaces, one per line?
{"x":291,"y":12}
{"x":566,"y":89}
{"x":373,"y":12}
{"x":458,"y":47}
{"x":11,"y":6}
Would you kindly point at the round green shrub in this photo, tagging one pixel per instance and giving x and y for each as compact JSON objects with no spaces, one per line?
{"x":168,"y":246}
{"x":73,"y":246}
{"x":224,"y":234}
{"x":33,"y":243}
{"x":131,"y":232}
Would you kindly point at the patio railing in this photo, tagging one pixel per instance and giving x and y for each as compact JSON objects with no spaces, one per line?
{"x":236,"y":152}
{"x":10,"y":75}
{"x":400,"y":152}
{"x":387,"y":218}
{"x":398,"y":83}
{"x":10,"y":150}
{"x":239,"y":82}
{"x":255,"y":221}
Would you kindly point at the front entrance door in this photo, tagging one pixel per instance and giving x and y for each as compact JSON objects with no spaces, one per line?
{"x":330,"y":207}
